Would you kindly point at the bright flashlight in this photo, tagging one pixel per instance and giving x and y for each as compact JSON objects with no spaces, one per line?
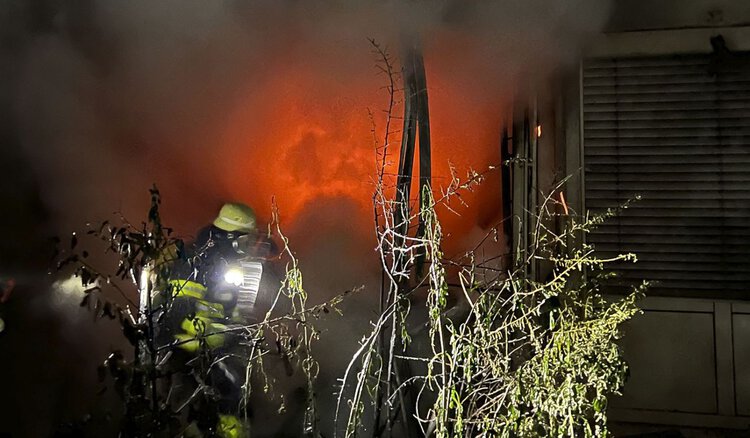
{"x":234,"y":276}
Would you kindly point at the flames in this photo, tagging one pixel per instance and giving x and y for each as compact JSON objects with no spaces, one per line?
{"x":300,"y":139}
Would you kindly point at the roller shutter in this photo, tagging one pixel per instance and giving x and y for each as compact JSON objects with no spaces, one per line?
{"x":667,"y":130}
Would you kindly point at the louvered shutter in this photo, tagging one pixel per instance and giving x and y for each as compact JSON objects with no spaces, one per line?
{"x":666,"y":129}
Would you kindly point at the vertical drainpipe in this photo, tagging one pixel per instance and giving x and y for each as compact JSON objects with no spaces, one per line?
{"x":533,"y":181}
{"x":506,"y":170}
{"x":519,"y":178}
{"x":524,"y":181}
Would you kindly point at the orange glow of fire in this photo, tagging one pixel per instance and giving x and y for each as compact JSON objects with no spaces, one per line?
{"x":310,"y":140}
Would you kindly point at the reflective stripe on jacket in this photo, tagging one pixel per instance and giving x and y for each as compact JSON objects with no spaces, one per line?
{"x":188,"y":288}
{"x":203,"y":327}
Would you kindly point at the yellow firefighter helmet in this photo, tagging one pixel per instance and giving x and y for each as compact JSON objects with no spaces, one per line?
{"x":235,"y":216}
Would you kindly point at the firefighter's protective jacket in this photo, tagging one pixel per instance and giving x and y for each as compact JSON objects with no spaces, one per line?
{"x":198,"y":315}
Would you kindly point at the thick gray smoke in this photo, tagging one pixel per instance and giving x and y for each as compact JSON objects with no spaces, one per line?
{"x":245,"y":100}
{"x":109,"y":96}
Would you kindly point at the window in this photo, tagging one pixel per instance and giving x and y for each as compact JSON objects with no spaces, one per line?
{"x":674,"y":130}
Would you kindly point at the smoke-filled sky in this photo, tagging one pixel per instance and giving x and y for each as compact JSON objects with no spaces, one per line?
{"x":245,"y":100}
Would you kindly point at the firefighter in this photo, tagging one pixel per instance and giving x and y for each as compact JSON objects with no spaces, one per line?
{"x":200,"y":282}
{"x":204,"y":307}
{"x":217,"y":249}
